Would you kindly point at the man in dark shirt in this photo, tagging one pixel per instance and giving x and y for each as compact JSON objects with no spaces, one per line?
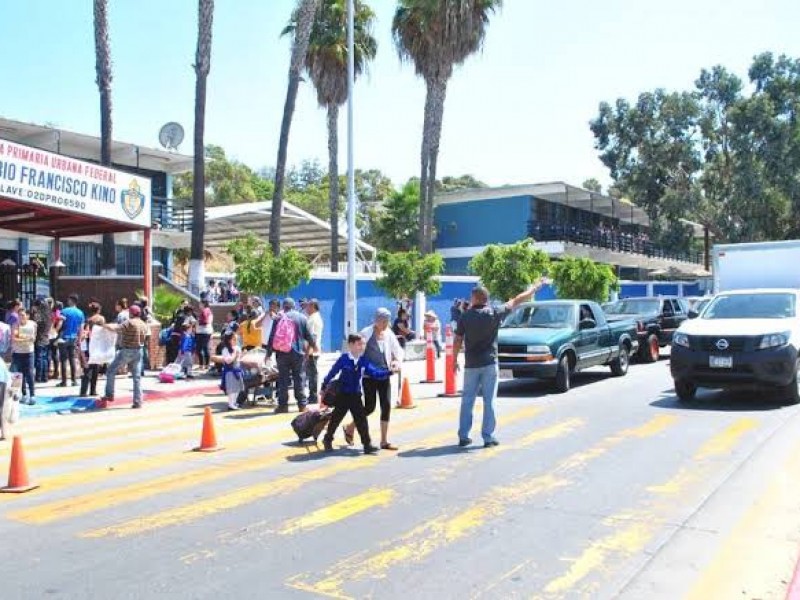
{"x":477,"y":332}
{"x":290,"y":364}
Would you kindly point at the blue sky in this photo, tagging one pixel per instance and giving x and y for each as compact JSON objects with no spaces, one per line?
{"x":517,"y":113}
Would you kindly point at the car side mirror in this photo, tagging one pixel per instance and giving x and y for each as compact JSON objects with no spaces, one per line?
{"x":587,"y":324}
{"x":693,"y":314}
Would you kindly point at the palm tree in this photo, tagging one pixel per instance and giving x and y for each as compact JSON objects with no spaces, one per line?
{"x":102,"y":52}
{"x":326,"y":64}
{"x":305,"y":13}
{"x":436,"y":36}
{"x":202,"y":66}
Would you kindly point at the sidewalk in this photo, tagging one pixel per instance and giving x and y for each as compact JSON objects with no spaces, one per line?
{"x":51,"y":399}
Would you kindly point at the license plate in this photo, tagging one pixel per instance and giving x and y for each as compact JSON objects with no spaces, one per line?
{"x":720,"y":362}
{"x":506,"y":374}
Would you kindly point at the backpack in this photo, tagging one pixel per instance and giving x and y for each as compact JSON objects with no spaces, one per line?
{"x":311,"y":423}
{"x":285,"y":335}
{"x":5,"y":338}
{"x":164,"y":335}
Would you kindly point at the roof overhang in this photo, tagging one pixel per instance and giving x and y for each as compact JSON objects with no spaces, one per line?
{"x":87,"y":147}
{"x":558,"y":193}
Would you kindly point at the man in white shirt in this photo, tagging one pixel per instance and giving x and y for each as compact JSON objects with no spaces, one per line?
{"x":315,"y":327}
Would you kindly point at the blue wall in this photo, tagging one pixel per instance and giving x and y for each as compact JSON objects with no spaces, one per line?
{"x":633,"y":290}
{"x":497,"y":221}
{"x":457,"y":266}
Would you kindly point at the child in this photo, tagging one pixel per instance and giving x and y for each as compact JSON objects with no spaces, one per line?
{"x":350,"y":367}
{"x":232,"y":375}
{"x":186,"y":355}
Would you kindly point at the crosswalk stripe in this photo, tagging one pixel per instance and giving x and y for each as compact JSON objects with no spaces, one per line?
{"x":246,"y":495}
{"x":86,"y":503}
{"x":449,"y":527}
{"x":639,"y":526}
{"x":339,"y":511}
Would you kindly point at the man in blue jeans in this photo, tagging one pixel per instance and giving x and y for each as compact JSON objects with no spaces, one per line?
{"x":132,"y":335}
{"x":477,"y":332}
{"x":290,"y":363}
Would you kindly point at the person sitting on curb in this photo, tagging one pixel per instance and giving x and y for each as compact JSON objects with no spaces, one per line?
{"x":351,"y":367}
{"x":132,"y":334}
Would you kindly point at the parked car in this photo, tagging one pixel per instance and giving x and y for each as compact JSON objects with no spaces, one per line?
{"x":554,"y":339}
{"x":747,"y":338}
{"x":656,"y":321}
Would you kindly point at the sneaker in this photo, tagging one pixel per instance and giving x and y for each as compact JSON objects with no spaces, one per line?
{"x":327,"y":445}
{"x":62,"y":384}
{"x":464,"y":442}
{"x":281,"y":410}
{"x":31,"y":401}
{"x":233,"y":407}
{"x":136,"y":405}
{"x":370,"y":449}
{"x":491,"y":444}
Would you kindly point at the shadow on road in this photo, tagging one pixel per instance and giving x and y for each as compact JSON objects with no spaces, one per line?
{"x":448,"y":450}
{"x":720,"y":401}
{"x":536,"y":388}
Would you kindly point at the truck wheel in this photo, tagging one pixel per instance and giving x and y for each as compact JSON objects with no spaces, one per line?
{"x":650,"y":350}
{"x":619,"y":366}
{"x":685,"y":390}
{"x":563,"y":375}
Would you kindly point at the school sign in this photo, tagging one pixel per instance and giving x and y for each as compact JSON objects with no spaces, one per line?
{"x":54,"y":181}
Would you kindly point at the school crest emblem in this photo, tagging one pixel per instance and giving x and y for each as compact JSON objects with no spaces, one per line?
{"x":133,"y":200}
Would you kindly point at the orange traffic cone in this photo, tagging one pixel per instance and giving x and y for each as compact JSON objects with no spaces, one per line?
{"x":208,"y":440}
{"x":406,"y":401}
{"x":18,"y":481}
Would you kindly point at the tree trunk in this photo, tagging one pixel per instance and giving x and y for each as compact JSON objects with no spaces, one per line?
{"x":423,"y":180}
{"x":205,"y":21}
{"x":102,"y":49}
{"x":333,"y":182}
{"x":438,"y":93}
{"x":305,"y":20}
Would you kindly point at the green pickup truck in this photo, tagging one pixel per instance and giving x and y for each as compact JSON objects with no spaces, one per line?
{"x":554,"y":339}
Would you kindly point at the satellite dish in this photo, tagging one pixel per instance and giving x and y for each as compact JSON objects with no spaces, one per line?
{"x":171,"y":135}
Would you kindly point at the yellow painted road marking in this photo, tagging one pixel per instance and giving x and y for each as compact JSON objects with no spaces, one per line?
{"x":758,"y":557}
{"x":447,"y":528}
{"x":639,"y":527}
{"x":86,"y":503}
{"x":242,"y":496}
{"x":340,"y":511}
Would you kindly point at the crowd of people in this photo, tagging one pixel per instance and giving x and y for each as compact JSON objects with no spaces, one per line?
{"x":221,"y":292}
{"x":53,"y":341}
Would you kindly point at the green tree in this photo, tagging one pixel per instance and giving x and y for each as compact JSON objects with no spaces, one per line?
{"x":436,"y":36}
{"x":454,"y":184}
{"x":202,"y":66}
{"x":102,"y":55}
{"x":326,"y":64}
{"x":592,"y":185}
{"x":405,"y":273}
{"x":259,"y":271}
{"x":165,"y":303}
{"x":226,"y":181}
{"x":397,"y":225}
{"x":583,"y":279}
{"x":305,"y":13}
{"x":507,"y":271}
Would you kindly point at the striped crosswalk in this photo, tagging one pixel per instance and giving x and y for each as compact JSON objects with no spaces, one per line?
{"x":129,"y":476}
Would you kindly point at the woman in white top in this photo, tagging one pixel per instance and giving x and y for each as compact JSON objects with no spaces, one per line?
{"x":232,"y":374}
{"x":383,"y":351}
{"x":22,"y":354}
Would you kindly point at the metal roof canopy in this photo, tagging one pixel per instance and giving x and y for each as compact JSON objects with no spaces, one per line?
{"x":87,"y":147}
{"x":559,"y":193}
{"x":16,"y":215}
{"x":300,"y":230}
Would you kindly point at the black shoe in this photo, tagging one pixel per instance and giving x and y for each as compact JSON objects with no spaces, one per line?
{"x":491,"y":444}
{"x":281,"y":410}
{"x":74,"y":383}
{"x":370,"y":449}
{"x":136,"y":405}
{"x":62,"y":384}
{"x":465,"y":442}
{"x":327,"y":445}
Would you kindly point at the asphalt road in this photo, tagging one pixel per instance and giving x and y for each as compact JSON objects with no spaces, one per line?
{"x":610,"y":491}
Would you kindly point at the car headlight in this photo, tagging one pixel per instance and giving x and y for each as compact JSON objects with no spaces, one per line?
{"x":538,"y":350}
{"x":774,"y":340}
{"x":680,"y":339}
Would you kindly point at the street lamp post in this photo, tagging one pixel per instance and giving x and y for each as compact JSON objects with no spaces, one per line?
{"x":352,"y":324}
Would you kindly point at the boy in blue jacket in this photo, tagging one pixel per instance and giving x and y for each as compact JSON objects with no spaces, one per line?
{"x":350,"y":367}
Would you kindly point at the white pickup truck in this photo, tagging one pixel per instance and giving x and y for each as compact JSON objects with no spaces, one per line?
{"x":742,"y":338}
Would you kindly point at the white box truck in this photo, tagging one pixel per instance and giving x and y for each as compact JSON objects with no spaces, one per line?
{"x":758,"y":265}
{"x":748,"y":336}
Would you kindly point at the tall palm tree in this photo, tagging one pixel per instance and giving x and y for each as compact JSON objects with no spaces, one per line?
{"x":326,"y":64}
{"x":202,"y":66}
{"x":436,"y":36}
{"x":305,"y":13}
{"x":102,"y":52}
